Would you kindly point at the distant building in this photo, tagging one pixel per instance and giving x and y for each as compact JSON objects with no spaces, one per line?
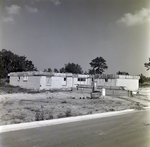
{"x":46,"y":81}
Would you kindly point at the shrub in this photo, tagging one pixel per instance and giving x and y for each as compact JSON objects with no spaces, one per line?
{"x":68,"y":113}
{"x":51,"y":116}
{"x":60,"y":115}
{"x":90,"y":112}
{"x":39,"y":116}
{"x":64,"y":102}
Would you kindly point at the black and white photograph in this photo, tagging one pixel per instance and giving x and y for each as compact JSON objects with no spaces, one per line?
{"x":74,"y":73}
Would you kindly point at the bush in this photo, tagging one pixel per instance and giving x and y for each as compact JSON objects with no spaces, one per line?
{"x":51,"y":116}
{"x":60,"y":115}
{"x":64,"y":102}
{"x":68,"y":113}
{"x":39,"y":116}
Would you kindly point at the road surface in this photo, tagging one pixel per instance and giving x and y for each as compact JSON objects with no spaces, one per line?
{"x":127,"y":130}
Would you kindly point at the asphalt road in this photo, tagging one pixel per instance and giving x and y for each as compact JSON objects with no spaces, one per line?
{"x":127,"y":130}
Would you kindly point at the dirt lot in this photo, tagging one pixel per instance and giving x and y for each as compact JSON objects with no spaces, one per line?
{"x":18,"y":106}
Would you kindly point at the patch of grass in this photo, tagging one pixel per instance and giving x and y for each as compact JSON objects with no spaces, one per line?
{"x":50,"y":116}
{"x":89,"y":112}
{"x":68,"y":113}
{"x":39,"y":116}
{"x":19,"y":117}
{"x":15,"y":121}
{"x":147,"y":84}
{"x":108,"y":110}
{"x":137,"y":106}
{"x":64,"y":102}
{"x":6,"y":88}
{"x":32,"y":109}
{"x":7,"y":103}
{"x":60,"y":115}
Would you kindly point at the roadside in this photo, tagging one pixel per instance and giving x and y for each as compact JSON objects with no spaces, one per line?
{"x":27,"y":106}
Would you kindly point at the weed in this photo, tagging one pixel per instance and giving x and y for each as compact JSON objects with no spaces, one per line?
{"x":68,"y":113}
{"x":49,"y":98}
{"x":64,"y":102}
{"x":90,"y":112}
{"x":111,"y":109}
{"x":50,"y":116}
{"x":39,"y":116}
{"x":72,"y":97}
{"x":7,"y":103}
{"x":60,"y":115}
{"x":137,"y":106}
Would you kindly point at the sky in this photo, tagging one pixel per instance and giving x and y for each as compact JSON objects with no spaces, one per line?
{"x":52,"y":33}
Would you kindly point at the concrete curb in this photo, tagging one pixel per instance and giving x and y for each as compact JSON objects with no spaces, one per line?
{"x":35,"y":124}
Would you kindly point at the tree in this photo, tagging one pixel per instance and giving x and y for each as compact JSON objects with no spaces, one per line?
{"x":47,"y":70}
{"x":72,"y":68}
{"x":122,"y":73}
{"x":62,"y":70}
{"x":147,"y":65}
{"x":142,"y":79}
{"x":98,"y":65}
{"x":10,"y":62}
{"x":91,"y":71}
{"x":56,"y":70}
{"x":86,"y":73}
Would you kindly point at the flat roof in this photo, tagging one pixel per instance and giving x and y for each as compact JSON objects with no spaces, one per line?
{"x":39,"y":73}
{"x":97,"y":76}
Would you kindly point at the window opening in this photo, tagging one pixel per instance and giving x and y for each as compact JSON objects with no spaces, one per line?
{"x":106,"y":80}
{"x":81,"y":79}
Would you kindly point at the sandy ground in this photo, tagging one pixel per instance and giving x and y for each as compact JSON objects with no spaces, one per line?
{"x":25,"y":107}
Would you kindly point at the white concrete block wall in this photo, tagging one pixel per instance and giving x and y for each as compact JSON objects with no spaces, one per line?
{"x":54,"y":82}
{"x":33,"y":82}
{"x":14,"y":81}
{"x":69,"y":82}
{"x":102,"y":82}
{"x":57,"y":82}
{"x":64,"y":81}
{"x":89,"y":81}
{"x":43,"y":84}
{"x":130,"y":84}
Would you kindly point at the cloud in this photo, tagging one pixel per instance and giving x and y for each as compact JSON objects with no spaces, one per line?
{"x":31,"y":9}
{"x":56,"y":2}
{"x":139,"y":17}
{"x":13,"y":9}
{"x":8,"y":19}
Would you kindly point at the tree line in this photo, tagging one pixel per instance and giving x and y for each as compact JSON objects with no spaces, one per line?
{"x":98,"y":66}
{"x":10,"y":62}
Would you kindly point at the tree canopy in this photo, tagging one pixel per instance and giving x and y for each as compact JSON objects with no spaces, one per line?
{"x":10,"y":62}
{"x":72,"y":68}
{"x":122,"y":73}
{"x":147,"y":65}
{"x":47,"y":70}
{"x":62,"y":70}
{"x":98,"y":65}
{"x":56,"y":70}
